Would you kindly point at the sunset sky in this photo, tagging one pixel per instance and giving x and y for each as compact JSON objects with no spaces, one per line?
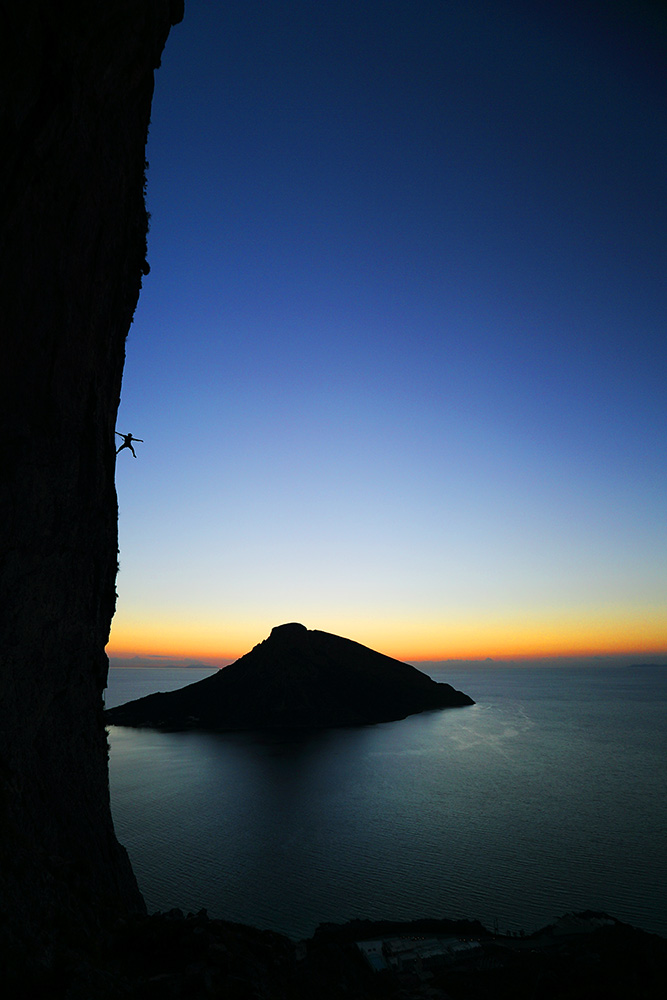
{"x":400,"y":363}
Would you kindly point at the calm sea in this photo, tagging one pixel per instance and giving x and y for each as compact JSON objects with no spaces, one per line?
{"x":549,"y":795}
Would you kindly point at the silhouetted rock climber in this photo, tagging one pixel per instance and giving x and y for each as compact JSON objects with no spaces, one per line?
{"x":127,"y":442}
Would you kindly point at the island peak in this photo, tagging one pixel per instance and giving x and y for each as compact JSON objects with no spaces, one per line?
{"x":295,"y":678}
{"x":290,"y":630}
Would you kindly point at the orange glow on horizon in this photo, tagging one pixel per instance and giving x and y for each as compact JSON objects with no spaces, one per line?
{"x":601,"y":635}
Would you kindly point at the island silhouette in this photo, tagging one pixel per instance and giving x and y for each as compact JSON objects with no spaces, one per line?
{"x":296,"y":678}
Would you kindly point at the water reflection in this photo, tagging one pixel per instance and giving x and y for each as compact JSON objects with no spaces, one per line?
{"x":514,"y":808}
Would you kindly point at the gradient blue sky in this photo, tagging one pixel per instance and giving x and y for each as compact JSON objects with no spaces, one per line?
{"x":400,"y":362}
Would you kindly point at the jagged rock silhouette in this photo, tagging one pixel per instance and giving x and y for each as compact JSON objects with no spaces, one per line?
{"x":76,"y":84}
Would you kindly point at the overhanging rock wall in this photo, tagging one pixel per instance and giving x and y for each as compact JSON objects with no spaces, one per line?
{"x":75,"y":91}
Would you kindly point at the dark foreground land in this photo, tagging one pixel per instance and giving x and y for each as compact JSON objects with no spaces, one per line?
{"x":175,"y":956}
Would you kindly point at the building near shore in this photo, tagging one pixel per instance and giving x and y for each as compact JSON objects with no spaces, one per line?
{"x":414,"y":953}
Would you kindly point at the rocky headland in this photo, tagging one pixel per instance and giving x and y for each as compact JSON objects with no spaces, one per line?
{"x":296,"y":678}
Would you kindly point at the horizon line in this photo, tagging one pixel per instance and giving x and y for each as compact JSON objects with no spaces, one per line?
{"x":613,"y":658}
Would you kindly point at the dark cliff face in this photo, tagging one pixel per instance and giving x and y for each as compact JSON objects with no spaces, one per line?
{"x":76,"y":86}
{"x":296,"y":678}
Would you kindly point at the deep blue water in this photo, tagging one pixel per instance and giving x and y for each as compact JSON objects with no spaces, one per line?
{"x":549,"y":795}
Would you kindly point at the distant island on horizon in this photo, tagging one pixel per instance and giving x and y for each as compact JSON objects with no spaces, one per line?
{"x":296,"y":678}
